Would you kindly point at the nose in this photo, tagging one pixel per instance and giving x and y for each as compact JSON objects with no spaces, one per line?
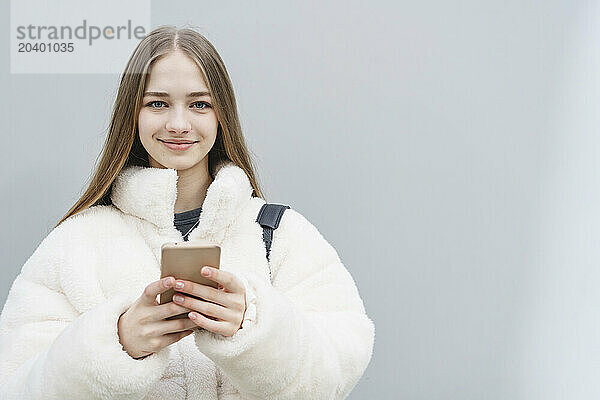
{"x":177,"y":121}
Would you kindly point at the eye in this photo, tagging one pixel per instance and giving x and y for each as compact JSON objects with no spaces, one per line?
{"x":155,"y":101}
{"x":206,"y":105}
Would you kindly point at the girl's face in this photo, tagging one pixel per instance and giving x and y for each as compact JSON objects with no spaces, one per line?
{"x":177,"y":106}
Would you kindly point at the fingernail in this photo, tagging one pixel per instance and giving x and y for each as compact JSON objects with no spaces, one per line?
{"x":167,"y":282}
{"x":179,"y":285}
{"x":206,"y":271}
{"x":177,"y":298}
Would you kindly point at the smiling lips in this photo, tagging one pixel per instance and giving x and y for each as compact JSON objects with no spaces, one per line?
{"x":184,"y":145}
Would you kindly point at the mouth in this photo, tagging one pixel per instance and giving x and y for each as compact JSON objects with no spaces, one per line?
{"x":178,"y":145}
{"x":174,"y":142}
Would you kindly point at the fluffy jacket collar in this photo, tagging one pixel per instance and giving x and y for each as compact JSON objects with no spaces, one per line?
{"x":150,"y":193}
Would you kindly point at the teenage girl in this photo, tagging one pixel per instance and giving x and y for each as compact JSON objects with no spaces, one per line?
{"x":82,"y":320}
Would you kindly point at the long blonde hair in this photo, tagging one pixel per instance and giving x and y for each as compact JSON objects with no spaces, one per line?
{"x":123,"y":146}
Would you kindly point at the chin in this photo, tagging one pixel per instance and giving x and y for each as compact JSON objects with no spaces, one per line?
{"x":179,"y":165}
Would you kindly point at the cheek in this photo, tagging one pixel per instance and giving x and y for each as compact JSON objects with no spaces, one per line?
{"x":148,"y":124}
{"x":207,"y":128}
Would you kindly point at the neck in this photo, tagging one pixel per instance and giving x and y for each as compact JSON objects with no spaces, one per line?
{"x":192,"y":184}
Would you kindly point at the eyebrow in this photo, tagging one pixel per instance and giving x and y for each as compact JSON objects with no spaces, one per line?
{"x":165,"y":94}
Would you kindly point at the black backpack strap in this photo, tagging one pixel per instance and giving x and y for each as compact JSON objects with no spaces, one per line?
{"x":269,"y":217}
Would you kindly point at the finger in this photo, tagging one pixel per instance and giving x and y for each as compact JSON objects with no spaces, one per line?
{"x":170,"y":326}
{"x":207,"y":293}
{"x":171,"y":338}
{"x":208,"y":308}
{"x":227,"y":279}
{"x":167,"y":310}
{"x":221,"y":327}
{"x":156,"y":288}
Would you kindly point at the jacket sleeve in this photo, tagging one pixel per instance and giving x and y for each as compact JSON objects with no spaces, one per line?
{"x":48,"y":350}
{"x":308,"y":335}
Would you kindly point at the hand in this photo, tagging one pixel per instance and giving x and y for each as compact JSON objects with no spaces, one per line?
{"x":229,"y":301}
{"x":143,"y":330}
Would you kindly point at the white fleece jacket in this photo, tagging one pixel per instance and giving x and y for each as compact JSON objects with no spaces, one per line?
{"x":305,"y":335}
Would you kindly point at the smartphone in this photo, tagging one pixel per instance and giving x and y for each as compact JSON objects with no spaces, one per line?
{"x":184,"y":260}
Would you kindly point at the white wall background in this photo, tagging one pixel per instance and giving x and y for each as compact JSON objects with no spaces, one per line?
{"x":447,"y":149}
